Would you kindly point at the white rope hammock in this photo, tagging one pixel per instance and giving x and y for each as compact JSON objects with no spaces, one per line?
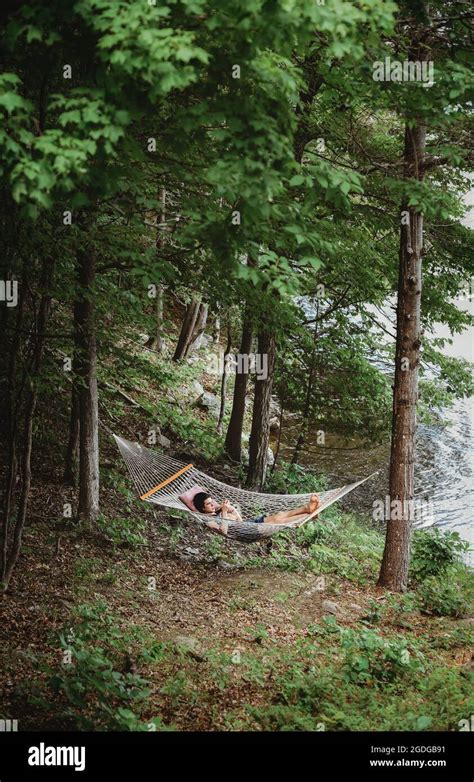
{"x":150,"y":469}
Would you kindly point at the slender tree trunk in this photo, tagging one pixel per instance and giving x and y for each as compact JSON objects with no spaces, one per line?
{"x":305,"y":130}
{"x":199,"y":327}
{"x":25,"y":489}
{"x":187,"y":329}
{"x":88,"y":509}
{"x":278,"y":445}
{"x":304,"y":422}
{"x":304,"y":426}
{"x":72,"y":452}
{"x":260,"y":432}
{"x":30,"y":406}
{"x":160,"y":295}
{"x":395,"y":564}
{"x":156,"y":342}
{"x":10,"y":426}
{"x":160,"y":291}
{"x":216,"y":330}
{"x":307,"y":403}
{"x":225,"y":374}
{"x":233,"y":440}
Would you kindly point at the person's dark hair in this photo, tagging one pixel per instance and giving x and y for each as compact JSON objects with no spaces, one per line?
{"x":199,"y":499}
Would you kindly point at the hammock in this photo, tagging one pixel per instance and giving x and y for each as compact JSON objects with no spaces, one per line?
{"x":160,"y":479}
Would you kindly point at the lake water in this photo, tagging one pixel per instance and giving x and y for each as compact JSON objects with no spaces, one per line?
{"x":444,"y":467}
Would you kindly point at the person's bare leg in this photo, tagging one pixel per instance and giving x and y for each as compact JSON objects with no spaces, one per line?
{"x":286,"y":515}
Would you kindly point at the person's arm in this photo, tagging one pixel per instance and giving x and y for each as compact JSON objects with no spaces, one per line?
{"x":228,"y":512}
{"x":220,"y":526}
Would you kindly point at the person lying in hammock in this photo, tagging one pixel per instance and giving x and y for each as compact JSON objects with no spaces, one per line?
{"x":206,"y":504}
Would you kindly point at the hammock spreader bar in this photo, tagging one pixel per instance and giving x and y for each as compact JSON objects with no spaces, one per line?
{"x":165,"y":483}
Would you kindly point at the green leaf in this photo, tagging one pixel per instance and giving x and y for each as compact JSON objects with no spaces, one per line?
{"x":296,"y":180}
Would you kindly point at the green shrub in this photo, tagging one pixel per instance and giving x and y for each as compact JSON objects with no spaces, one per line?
{"x":215,"y":547}
{"x":442,"y":598}
{"x":304,"y":686}
{"x":459,"y":636}
{"x":404,"y":603}
{"x":117,"y":481}
{"x":93,"y":680}
{"x":344,"y":546}
{"x":316,"y":532}
{"x":122,"y":531}
{"x":401,"y":607}
{"x":434,"y":551}
{"x":294,"y":479}
{"x":326,"y":559}
{"x":85,"y":568}
{"x":178,"y":690}
{"x":374,"y":612}
{"x":283,"y":718}
{"x":369,"y":656}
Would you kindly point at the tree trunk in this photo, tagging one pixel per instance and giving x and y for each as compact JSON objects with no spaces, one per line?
{"x":224,"y":379}
{"x":187,"y":329}
{"x":158,"y":346}
{"x":260,"y":432}
{"x":156,"y":342}
{"x":304,"y":422}
{"x":395,"y":564}
{"x":10,"y":426}
{"x":25,"y":488}
{"x":88,"y":509}
{"x":30,"y":406}
{"x":305,"y":130}
{"x":307,"y":404}
{"x":233,"y":440}
{"x":199,"y":327}
{"x":216,"y":330}
{"x":278,"y":445}
{"x":72,"y":453}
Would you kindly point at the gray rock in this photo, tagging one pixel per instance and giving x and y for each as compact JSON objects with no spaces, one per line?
{"x":275,"y":408}
{"x":202,"y":341}
{"x":355,"y":607}
{"x":270,"y":457}
{"x":163,"y":441}
{"x":226,"y":565}
{"x":197,"y":389}
{"x":313,"y":590}
{"x":329,"y":607}
{"x":191,"y":551}
{"x":191,"y":646}
{"x":209,"y":402}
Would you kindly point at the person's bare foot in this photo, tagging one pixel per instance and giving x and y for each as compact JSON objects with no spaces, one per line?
{"x":313,"y":504}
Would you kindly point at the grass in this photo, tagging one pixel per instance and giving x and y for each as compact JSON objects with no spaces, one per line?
{"x":332,"y":678}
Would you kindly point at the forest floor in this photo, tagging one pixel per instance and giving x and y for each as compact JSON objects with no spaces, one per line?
{"x":218,"y":641}
{"x":150,"y":622}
